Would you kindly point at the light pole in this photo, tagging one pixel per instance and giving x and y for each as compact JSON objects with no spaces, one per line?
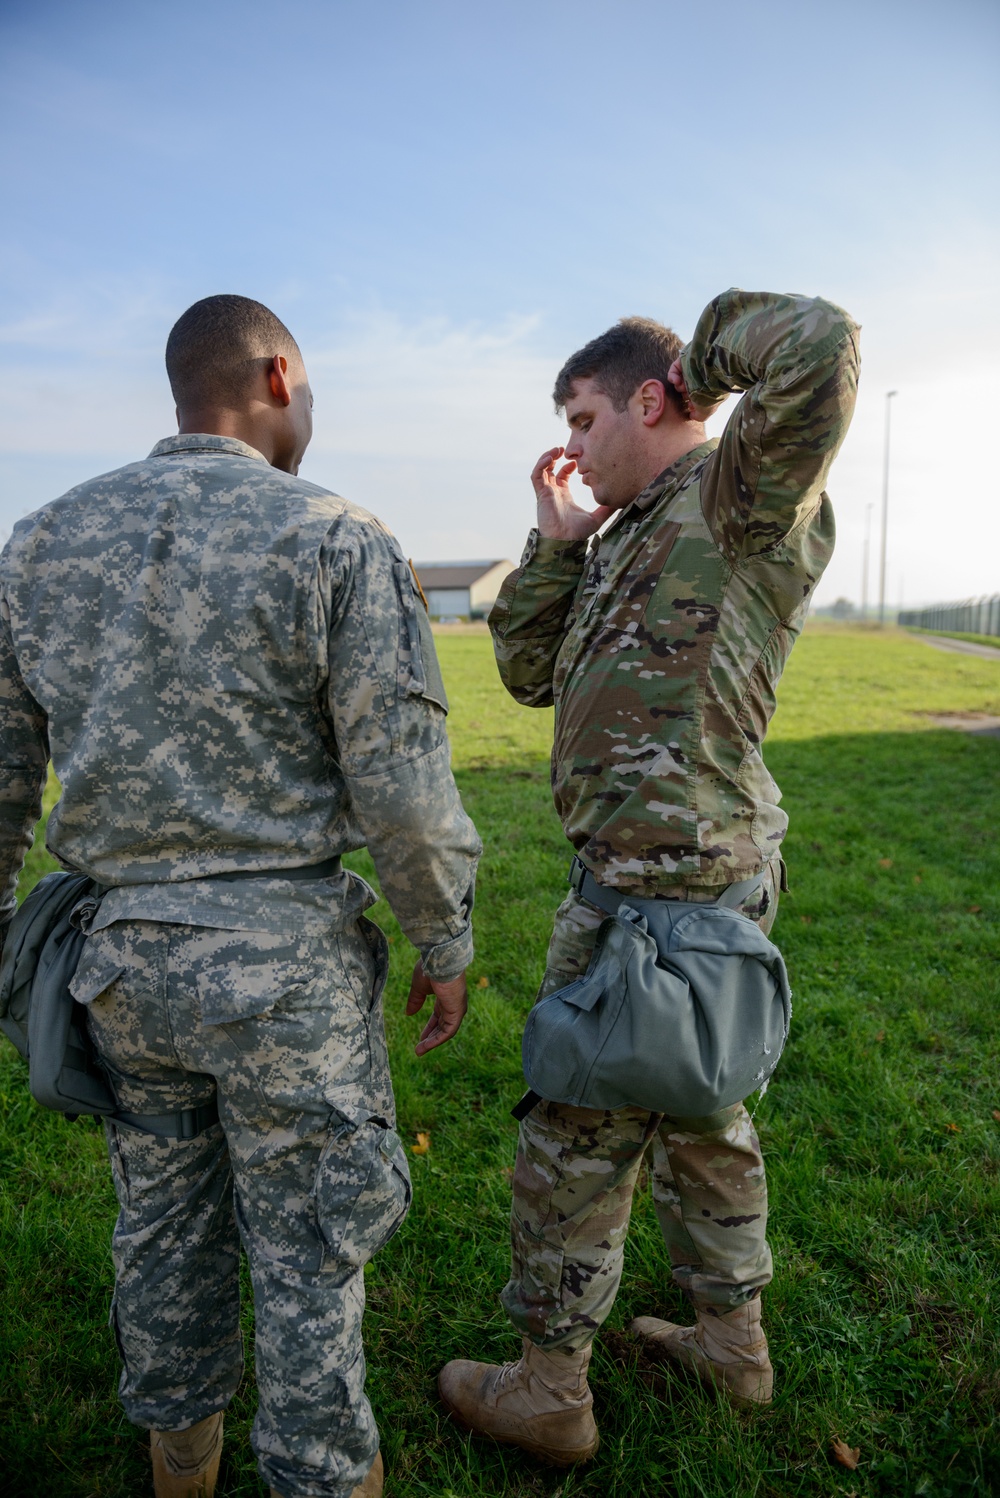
{"x":864,"y":565}
{"x":885,"y":506}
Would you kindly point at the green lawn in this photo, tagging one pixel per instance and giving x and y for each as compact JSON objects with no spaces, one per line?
{"x":881,"y":1132}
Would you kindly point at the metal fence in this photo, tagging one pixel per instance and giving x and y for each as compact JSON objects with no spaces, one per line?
{"x":974,"y":616}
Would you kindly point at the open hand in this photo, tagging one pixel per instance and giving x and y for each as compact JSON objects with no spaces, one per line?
{"x":693,"y":411}
{"x":559,"y":515}
{"x":451,"y":1000}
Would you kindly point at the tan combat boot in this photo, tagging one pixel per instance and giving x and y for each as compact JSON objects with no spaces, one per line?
{"x":186,"y":1462}
{"x":728,"y":1350}
{"x":542,"y":1402}
{"x":370,"y":1488}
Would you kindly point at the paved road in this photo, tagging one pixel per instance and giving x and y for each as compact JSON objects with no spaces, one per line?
{"x":964,"y":647}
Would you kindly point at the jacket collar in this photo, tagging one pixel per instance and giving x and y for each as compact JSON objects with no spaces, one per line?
{"x":667,"y":483}
{"x":204,"y":442}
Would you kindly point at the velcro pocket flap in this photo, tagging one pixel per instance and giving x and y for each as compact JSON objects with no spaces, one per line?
{"x":233,"y":991}
{"x":94,"y":975}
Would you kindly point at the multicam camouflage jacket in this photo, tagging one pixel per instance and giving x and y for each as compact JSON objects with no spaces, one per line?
{"x":230,"y":672}
{"x":663,"y":646}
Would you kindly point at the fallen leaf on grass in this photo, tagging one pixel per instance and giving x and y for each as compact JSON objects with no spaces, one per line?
{"x":975,"y":910}
{"x":507,"y":1172}
{"x":806,"y":920}
{"x":885,"y":863}
{"x":880,"y":1037}
{"x":917,"y":879}
{"x":996,"y":1114}
{"x":482,"y":983}
{"x":953,"y":1128}
{"x":847,"y":1456}
{"x":422,"y":1145}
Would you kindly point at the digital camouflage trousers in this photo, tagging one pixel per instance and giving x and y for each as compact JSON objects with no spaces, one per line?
{"x":577,"y":1169}
{"x":303,"y":1168}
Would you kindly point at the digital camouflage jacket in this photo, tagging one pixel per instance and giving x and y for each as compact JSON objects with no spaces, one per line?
{"x":230,"y":672}
{"x":662,"y":647}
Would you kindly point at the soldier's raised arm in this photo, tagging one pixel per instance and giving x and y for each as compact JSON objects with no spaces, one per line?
{"x":797,"y":360}
{"x":387,"y":705}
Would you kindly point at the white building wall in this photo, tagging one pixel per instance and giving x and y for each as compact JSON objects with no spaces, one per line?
{"x":446,"y":603}
{"x":483,"y":593}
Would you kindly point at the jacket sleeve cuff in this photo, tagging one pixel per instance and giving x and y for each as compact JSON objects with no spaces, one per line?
{"x":448,"y":959}
{"x":548,"y":556}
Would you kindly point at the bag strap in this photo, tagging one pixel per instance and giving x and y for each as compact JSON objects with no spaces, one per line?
{"x":735,"y":894}
{"x":185,"y":1123}
{"x":610,"y":900}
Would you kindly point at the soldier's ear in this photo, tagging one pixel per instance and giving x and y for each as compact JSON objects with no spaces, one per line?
{"x":653,"y":401}
{"x":277,"y":377}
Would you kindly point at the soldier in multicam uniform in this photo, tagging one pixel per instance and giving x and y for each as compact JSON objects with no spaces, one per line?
{"x":236,"y":685}
{"x":661,"y":649}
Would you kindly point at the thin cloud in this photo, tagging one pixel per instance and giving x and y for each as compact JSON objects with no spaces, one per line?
{"x":435,"y":425}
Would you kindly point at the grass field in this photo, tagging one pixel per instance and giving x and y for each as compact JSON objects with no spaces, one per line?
{"x":881,"y":1133}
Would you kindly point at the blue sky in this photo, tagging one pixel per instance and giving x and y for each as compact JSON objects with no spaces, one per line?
{"x":444,"y":200}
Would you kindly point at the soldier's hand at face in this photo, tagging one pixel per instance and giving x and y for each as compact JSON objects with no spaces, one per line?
{"x":693,"y":410}
{"x":451,"y":1000}
{"x":559,"y":515}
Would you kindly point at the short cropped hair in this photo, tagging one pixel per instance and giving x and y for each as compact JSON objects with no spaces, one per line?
{"x":215,"y":349}
{"x":636,"y":349}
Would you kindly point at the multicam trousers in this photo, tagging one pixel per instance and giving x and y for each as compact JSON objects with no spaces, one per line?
{"x":303,"y":1168}
{"x":576,"y":1173}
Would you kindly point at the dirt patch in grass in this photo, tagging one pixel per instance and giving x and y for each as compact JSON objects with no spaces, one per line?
{"x":948,"y":1326}
{"x":647,"y":1364}
{"x":980,"y":723}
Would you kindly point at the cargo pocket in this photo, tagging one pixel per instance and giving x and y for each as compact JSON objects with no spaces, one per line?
{"x":362,"y":1192}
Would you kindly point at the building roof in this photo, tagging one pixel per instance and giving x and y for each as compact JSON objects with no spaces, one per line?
{"x":453,"y":574}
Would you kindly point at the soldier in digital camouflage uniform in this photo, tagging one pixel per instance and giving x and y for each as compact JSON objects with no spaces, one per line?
{"x":235,"y":685}
{"x":661,"y":647}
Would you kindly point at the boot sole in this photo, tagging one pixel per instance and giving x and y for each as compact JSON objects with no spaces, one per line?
{"x":554,"y":1459}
